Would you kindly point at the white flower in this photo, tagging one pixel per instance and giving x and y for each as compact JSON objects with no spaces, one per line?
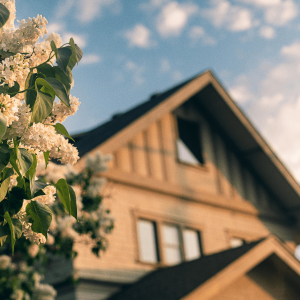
{"x":33,"y":250}
{"x":5,"y":261}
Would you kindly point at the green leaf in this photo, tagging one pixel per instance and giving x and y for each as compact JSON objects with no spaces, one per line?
{"x":2,"y":240}
{"x":67,"y":197}
{"x":5,"y":54}
{"x":76,"y":54}
{"x":4,"y":15}
{"x":46,"y":156}
{"x":30,"y":174}
{"x":4,"y":156}
{"x":42,"y":107}
{"x":25,"y":160}
{"x":63,"y":57}
{"x":5,"y":230}
{"x":13,"y":161}
{"x":4,"y":188}
{"x":3,"y":125}
{"x":46,"y":69}
{"x":73,"y":202}
{"x":56,"y":87}
{"x":60,"y":128}
{"x":64,"y":78}
{"x":7,"y":172}
{"x":30,"y":95}
{"x":38,"y":185}
{"x":12,"y":91}
{"x":16,"y":198}
{"x":4,"y":88}
{"x":41,"y":216}
{"x":54,"y":48}
{"x":12,"y":232}
{"x":21,"y":181}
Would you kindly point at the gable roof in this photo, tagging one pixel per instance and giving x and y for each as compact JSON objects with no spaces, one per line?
{"x":213,"y":100}
{"x":207,"y":275}
{"x":87,"y":141}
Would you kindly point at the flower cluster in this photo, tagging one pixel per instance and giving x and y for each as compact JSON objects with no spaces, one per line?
{"x":94,"y":223}
{"x":26,"y":283}
{"x":44,"y":138}
{"x":34,"y":100}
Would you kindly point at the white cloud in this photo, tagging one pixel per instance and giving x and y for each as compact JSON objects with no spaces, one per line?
{"x":139,"y":36}
{"x":232,"y":17}
{"x":165,"y":66}
{"x":240,"y":94}
{"x":292,"y":51}
{"x":274,"y":104}
{"x":267,"y":32}
{"x":88,"y":59}
{"x":198,"y":32}
{"x":55,"y":27}
{"x":86,"y":10}
{"x":280,"y":14}
{"x":276,"y":12}
{"x":263,"y":3}
{"x":174,"y":17}
{"x":79,"y":39}
{"x":137,"y":72}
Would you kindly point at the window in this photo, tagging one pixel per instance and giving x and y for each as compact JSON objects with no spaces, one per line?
{"x":147,"y":241}
{"x":175,"y":244}
{"x":236,"y":242}
{"x":189,"y":148}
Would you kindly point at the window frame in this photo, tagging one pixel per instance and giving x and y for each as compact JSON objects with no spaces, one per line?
{"x":159,"y":221}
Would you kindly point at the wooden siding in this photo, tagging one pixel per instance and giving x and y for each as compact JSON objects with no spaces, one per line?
{"x":148,"y":179}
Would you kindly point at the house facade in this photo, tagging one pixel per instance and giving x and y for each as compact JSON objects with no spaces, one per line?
{"x":191,"y":178}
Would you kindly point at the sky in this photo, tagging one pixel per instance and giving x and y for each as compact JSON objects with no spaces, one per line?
{"x":133,"y":49}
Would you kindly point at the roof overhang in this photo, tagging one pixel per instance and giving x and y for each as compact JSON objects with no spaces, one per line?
{"x":213,"y":98}
{"x":244,"y":264}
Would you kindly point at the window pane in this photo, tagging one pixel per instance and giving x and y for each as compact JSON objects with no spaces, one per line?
{"x":147,"y":241}
{"x":184,"y":153}
{"x":191,"y":244}
{"x":172,"y":256}
{"x":236,"y":242}
{"x":170,"y":234}
{"x":171,"y":244}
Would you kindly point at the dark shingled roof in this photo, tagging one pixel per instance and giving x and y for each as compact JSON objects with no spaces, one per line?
{"x":175,"y":282}
{"x":87,"y":141}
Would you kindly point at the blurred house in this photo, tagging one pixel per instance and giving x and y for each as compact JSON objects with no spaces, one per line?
{"x":204,"y":208}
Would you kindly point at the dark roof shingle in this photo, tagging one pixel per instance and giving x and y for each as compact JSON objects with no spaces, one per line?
{"x":175,"y":282}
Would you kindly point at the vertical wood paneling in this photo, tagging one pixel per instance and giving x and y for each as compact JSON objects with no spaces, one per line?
{"x":139,"y":155}
{"x":168,"y":141}
{"x":124,"y":159}
{"x":223,"y":166}
{"x":237,"y":176}
{"x":250,"y":187}
{"x":155,"y":158}
{"x":162,"y":150}
{"x":206,"y":142}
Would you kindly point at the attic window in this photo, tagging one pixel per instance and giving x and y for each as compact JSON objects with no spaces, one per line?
{"x":189,"y":148}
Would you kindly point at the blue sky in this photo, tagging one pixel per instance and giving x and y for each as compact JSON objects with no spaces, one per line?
{"x":133,"y":49}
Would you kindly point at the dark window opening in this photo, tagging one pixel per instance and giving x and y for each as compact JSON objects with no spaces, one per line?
{"x":189,"y":142}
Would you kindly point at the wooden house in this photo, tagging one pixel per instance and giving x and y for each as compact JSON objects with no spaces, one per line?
{"x":203,"y":207}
